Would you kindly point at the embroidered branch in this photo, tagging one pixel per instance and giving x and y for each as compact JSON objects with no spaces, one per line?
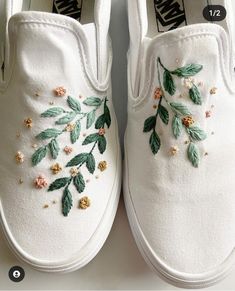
{"x":182,"y":116}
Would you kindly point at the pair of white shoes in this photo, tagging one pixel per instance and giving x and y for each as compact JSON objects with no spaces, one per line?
{"x":60,"y":161}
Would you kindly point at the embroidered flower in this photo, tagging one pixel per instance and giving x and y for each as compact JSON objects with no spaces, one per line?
{"x":70,"y":127}
{"x":174,"y":150}
{"x":102,"y":166}
{"x":158,"y":93}
{"x":21,"y":181}
{"x":208,"y":114}
{"x":213,"y":91}
{"x":40,"y":182}
{"x":68,"y":150}
{"x":56,"y":168}
{"x":84,"y":203}
{"x":28,"y":122}
{"x":19,"y":157}
{"x":101,"y":131}
{"x":60,"y":91}
{"x":188,"y":121}
{"x":189,"y":82}
{"x":74,"y":172}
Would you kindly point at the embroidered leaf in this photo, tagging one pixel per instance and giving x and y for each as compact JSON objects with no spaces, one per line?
{"x":107,"y":115}
{"x":193,"y":154}
{"x":74,"y":104}
{"x":59,"y":183}
{"x":90,"y":119}
{"x":196,"y":133}
{"x":102,"y":143}
{"x":100,"y":122}
{"x":39,"y":155}
{"x":79,"y":183}
{"x":180,"y":108}
{"x":195,"y":95}
{"x":54,"y":148}
{"x":155,"y":142}
{"x":67,"y":118}
{"x":75,"y":133}
{"x":49,"y":133}
{"x":188,"y":71}
{"x":90,"y":163}
{"x":168,"y":83}
{"x":177,"y":126}
{"x":93,"y":101}
{"x":164,"y":114}
{"x":67,"y":202}
{"x":52,"y":112}
{"x":91,"y":138}
{"x":78,"y":160}
{"x":150,"y":123}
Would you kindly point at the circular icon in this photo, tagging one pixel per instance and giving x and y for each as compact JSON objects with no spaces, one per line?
{"x":16,"y":274}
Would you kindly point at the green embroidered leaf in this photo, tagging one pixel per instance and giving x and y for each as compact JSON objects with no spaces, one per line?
{"x":39,"y":155}
{"x":100,"y":122}
{"x":67,"y":118}
{"x":168,"y":83}
{"x":52,"y":112}
{"x":67,"y":202}
{"x":90,"y":163}
{"x":164,"y":114}
{"x":180,"y":108}
{"x":196,"y":133}
{"x":193,"y":154}
{"x":91,"y":138}
{"x":155,"y":143}
{"x":54,"y":148}
{"x":78,"y":160}
{"x":75,"y":133}
{"x":79,"y":183}
{"x":74,"y":104}
{"x":49,"y":133}
{"x":102,"y":143}
{"x":188,"y":71}
{"x":177,"y":126}
{"x":107,"y":115}
{"x":90,"y":119}
{"x":195,"y":95}
{"x":149,"y":123}
{"x":59,"y":183}
{"x":93,"y":101}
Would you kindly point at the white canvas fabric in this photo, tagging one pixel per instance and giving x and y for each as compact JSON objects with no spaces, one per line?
{"x":43,"y":128}
{"x":179,"y":148}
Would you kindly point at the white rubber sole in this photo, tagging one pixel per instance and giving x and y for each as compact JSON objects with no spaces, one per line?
{"x":91,"y":249}
{"x":171,"y":276}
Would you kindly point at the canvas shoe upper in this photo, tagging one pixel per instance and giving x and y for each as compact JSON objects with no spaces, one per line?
{"x":179,"y":150}
{"x":60,"y":157}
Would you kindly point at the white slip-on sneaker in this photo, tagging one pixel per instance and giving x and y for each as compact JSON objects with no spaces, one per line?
{"x":180,"y":139}
{"x":60,"y":159}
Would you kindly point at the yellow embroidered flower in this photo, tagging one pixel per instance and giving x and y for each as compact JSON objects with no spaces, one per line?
{"x":101,"y":131}
{"x":84,"y":202}
{"x":188,"y":121}
{"x":189,"y":82}
{"x":213,"y":91}
{"x":70,"y":127}
{"x":74,"y":172}
{"x":158,"y":93}
{"x":40,"y":182}
{"x":19,"y":157}
{"x":60,"y":91}
{"x":56,"y":168}
{"x":102,"y":166}
{"x":28,"y":122}
{"x":174,"y":150}
{"x":68,"y":150}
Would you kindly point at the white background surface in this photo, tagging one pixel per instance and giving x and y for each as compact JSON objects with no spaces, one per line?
{"x":118,"y":266}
